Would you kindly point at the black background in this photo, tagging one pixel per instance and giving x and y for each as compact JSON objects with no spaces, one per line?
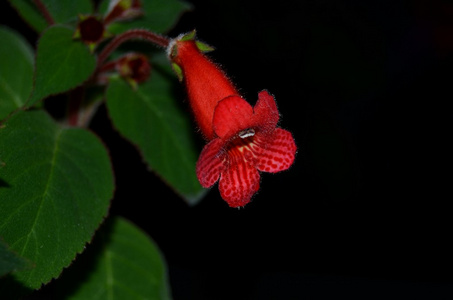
{"x":366,"y":89}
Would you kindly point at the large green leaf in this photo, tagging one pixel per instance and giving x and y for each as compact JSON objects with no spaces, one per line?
{"x":122,"y":263}
{"x":9,"y":261}
{"x":159,"y":16}
{"x":62,"y":63}
{"x":16,"y":71}
{"x":151,"y":119}
{"x":62,"y":11}
{"x":57,"y":186}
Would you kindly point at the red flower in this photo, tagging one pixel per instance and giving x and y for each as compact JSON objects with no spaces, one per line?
{"x":243,"y":140}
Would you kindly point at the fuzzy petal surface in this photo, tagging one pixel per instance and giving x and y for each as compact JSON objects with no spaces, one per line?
{"x":239,"y":182}
{"x":274,"y":152}
{"x":265,"y":111}
{"x":205,"y":82}
{"x":232,"y":115}
{"x":210,"y":163}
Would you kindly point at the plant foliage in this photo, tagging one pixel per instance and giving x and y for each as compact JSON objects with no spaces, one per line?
{"x":56,"y":176}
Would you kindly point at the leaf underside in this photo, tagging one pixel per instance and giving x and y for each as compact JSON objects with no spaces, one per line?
{"x":9,"y":261}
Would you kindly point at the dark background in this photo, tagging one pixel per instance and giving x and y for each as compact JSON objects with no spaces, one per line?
{"x":364,"y":213}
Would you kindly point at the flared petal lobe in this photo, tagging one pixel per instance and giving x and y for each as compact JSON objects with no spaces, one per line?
{"x":238,"y":182}
{"x":275,"y":152}
{"x":265,"y":112}
{"x":210,"y":163}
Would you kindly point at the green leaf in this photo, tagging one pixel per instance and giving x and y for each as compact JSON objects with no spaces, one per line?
{"x":61,"y":63}
{"x":57,"y":188}
{"x":122,"y":263}
{"x":159,"y":16}
{"x":62,"y":11}
{"x":9,"y":261}
{"x":151,"y":119}
{"x":16,"y":71}
{"x":204,"y":47}
{"x":28,"y":11}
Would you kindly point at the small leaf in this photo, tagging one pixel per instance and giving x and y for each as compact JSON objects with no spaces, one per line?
{"x":178,"y":71}
{"x":189,"y":36}
{"x":150,"y":118}
{"x":204,"y":47}
{"x":9,"y":261}
{"x":62,"y":11}
{"x":16,"y":71}
{"x":61,"y":63}
{"x":159,"y":16}
{"x":58,"y":186}
{"x":122,"y":263}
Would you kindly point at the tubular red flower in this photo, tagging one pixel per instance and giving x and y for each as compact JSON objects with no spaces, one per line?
{"x":243,"y":140}
{"x":206,"y":83}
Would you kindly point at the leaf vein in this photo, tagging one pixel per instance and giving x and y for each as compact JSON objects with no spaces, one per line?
{"x":16,"y":98}
{"x":49,"y":179}
{"x":167,"y":128}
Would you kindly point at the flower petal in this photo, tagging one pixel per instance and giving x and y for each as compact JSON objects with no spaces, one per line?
{"x":265,"y":111}
{"x":231,"y":115}
{"x":210,"y":163}
{"x":274,"y":152}
{"x":238,"y":182}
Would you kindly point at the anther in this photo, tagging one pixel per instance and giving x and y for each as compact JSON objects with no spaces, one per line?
{"x":246,"y":133}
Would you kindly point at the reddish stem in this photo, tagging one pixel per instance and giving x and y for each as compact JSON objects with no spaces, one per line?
{"x":133,"y":34}
{"x":75,"y":102}
{"x":43,"y":9}
{"x":107,"y":66}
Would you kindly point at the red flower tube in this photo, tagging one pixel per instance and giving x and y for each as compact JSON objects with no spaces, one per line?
{"x":242,"y":140}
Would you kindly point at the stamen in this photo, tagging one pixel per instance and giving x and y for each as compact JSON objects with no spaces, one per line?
{"x":246,"y":133}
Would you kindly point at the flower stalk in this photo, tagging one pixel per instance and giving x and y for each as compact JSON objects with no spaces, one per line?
{"x":133,"y":34}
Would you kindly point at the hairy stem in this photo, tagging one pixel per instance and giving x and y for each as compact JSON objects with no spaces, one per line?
{"x":134,"y":34}
{"x":45,"y":13}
